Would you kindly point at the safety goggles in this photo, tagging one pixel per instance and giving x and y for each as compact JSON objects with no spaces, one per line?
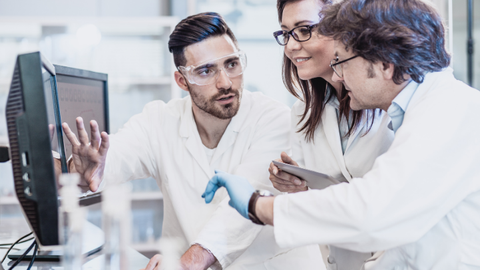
{"x":207,"y":72}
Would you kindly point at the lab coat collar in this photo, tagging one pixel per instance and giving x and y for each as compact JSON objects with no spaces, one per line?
{"x":332,"y":133}
{"x":429,"y":82}
{"x":336,"y":104}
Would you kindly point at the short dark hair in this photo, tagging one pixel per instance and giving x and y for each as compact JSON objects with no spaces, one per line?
{"x":194,"y":29}
{"x":407,"y":33}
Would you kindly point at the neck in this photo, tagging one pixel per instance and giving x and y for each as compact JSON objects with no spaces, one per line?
{"x":393,"y":90}
{"x":209,"y":127}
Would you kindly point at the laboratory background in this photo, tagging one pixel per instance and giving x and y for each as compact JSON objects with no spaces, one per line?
{"x":128,"y":40}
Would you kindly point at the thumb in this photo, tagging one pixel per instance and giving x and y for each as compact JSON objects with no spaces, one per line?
{"x":286,"y":158}
{"x":210,"y":190}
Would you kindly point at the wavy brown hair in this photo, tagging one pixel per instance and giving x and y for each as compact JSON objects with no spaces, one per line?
{"x":313,"y":93}
{"x":407,"y":33}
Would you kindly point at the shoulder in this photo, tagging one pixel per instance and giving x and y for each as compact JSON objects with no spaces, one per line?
{"x":174,"y":107}
{"x":260,"y":104}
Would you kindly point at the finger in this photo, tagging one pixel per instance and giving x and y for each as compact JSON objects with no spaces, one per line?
{"x":93,"y":184}
{"x":286,"y":182}
{"x":288,"y":177}
{"x":153,"y":262}
{"x":210,"y":190}
{"x":286,"y":158}
{"x":82,"y":133}
{"x":95,"y":138}
{"x":272,"y":169}
{"x":51,"y":129}
{"x":105,"y":144}
{"x":70,"y":135}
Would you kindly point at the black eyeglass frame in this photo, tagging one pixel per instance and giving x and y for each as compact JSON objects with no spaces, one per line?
{"x":278,"y":33}
{"x":341,"y":62}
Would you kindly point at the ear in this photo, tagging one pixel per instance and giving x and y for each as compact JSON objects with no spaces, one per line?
{"x":387,"y":70}
{"x":180,"y":80}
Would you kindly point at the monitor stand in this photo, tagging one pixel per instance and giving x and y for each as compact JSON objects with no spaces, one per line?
{"x":93,"y":240}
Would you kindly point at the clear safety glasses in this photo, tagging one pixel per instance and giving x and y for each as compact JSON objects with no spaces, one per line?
{"x":207,"y":72}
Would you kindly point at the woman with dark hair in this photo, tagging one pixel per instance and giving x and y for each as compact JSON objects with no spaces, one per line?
{"x":327,"y":135}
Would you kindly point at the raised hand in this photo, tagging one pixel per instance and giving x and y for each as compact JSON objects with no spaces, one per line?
{"x":88,"y":158}
{"x":284,"y":181}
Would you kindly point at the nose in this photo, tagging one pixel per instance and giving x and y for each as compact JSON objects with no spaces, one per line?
{"x":292,"y":45}
{"x":223,"y":81}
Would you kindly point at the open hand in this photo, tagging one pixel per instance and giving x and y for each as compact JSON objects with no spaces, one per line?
{"x":88,"y":157}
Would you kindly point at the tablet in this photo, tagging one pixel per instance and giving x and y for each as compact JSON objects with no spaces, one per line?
{"x":315,"y":180}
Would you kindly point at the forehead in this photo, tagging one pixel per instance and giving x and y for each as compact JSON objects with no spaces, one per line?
{"x":209,"y":49}
{"x":301,"y":12}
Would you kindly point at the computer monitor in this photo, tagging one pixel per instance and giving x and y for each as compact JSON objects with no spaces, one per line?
{"x":33,"y":128}
{"x":41,"y":97}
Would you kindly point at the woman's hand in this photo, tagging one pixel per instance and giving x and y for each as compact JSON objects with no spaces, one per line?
{"x":283,"y":181}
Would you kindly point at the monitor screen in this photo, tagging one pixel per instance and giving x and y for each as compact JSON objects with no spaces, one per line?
{"x":81,"y":93}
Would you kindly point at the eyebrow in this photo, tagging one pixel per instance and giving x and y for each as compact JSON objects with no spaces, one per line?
{"x":304,"y":22}
{"x":207,"y":65}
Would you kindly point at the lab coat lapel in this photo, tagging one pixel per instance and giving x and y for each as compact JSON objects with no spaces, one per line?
{"x":330,"y":128}
{"x":356,"y":133}
{"x":192,"y":141}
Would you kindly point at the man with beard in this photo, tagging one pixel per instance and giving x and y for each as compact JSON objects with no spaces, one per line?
{"x":219,"y":126}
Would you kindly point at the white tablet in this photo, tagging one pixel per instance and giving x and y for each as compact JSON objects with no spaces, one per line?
{"x":314,"y":179}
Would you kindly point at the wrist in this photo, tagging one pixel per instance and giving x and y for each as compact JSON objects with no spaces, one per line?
{"x":197,"y":257}
{"x":264,"y":209}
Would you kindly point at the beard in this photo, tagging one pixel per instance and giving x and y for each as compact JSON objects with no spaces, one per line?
{"x":211,"y":106}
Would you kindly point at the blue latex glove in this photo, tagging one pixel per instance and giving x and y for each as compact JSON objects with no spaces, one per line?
{"x":238,"y":188}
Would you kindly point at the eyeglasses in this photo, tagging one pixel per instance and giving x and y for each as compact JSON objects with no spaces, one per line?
{"x":337,"y":67}
{"x":207,"y":72}
{"x":299,"y":33}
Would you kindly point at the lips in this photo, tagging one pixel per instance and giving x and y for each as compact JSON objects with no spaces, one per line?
{"x":225,"y":97}
{"x":301,"y":59}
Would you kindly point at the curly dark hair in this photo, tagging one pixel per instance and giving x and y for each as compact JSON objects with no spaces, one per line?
{"x":407,"y":33}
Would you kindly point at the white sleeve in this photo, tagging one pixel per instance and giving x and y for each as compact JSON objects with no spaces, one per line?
{"x":432,"y":165}
{"x":130,"y":155}
{"x":227,"y":234}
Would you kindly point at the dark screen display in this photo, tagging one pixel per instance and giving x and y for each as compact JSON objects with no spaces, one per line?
{"x":80,"y":97}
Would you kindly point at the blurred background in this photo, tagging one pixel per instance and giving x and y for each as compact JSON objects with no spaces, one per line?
{"x":128,"y":40}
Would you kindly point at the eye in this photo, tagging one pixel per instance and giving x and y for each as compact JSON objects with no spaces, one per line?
{"x":232,"y":64}
{"x":304,"y":30}
{"x":204,"y":71}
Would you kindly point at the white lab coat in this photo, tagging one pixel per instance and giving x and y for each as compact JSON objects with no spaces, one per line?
{"x":421,"y":200}
{"x":325,"y":155}
{"x":163,"y":142}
